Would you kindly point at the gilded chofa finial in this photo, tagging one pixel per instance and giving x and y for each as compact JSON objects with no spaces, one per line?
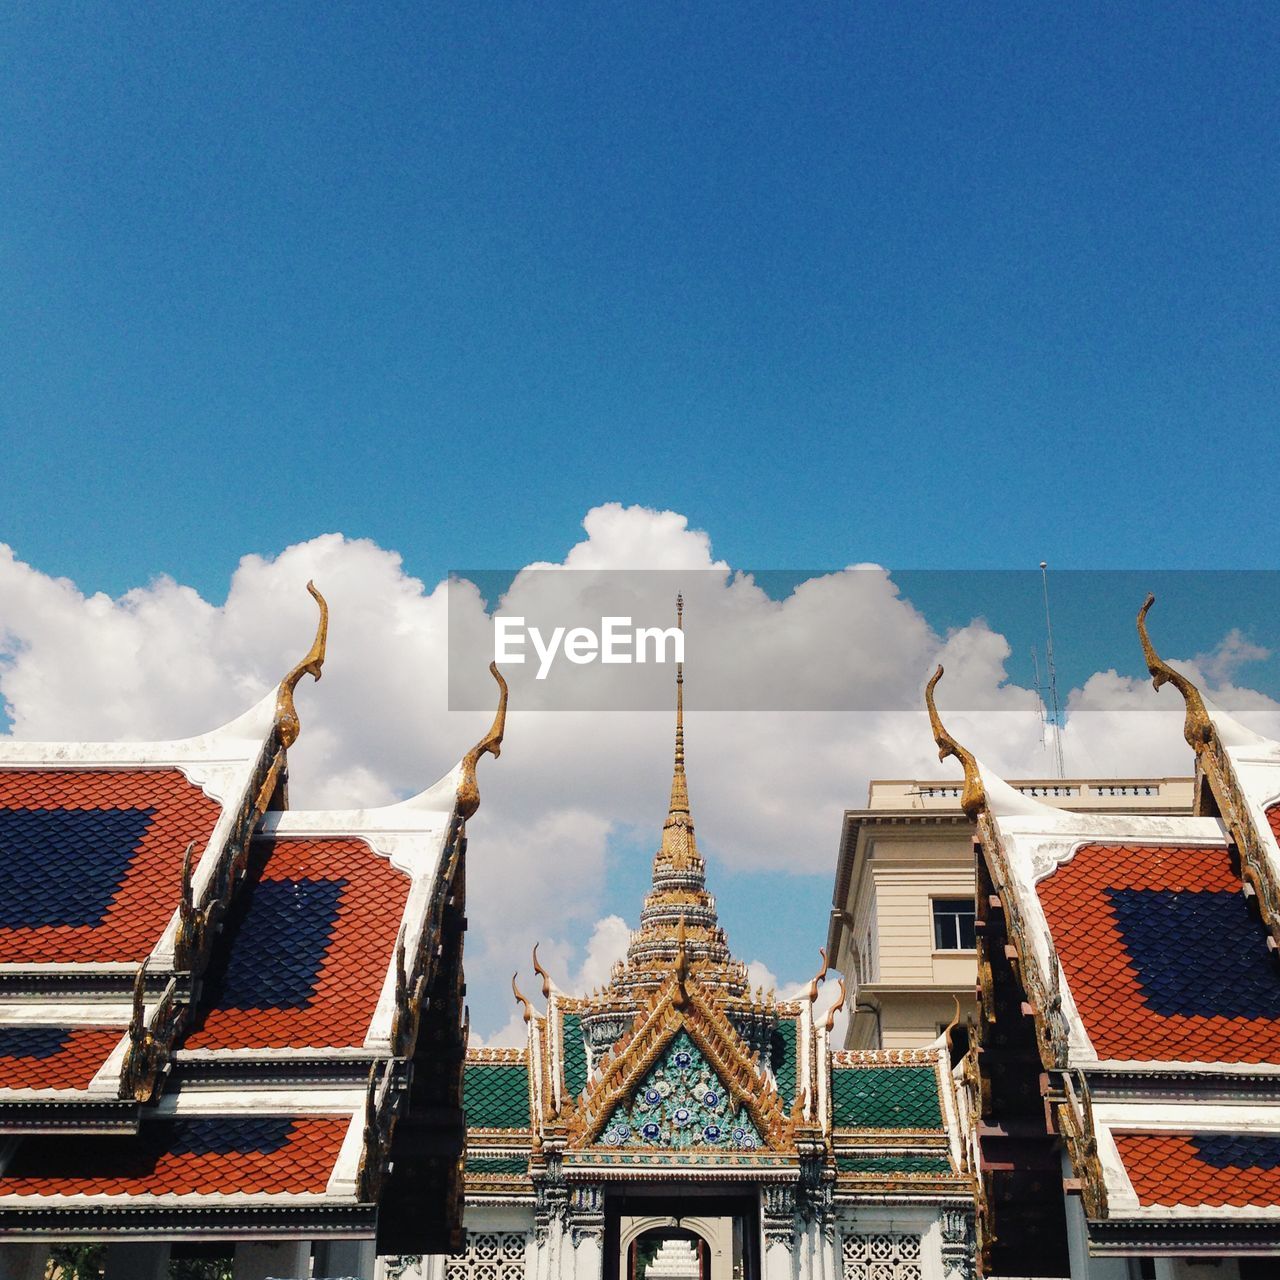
{"x":835,"y":1008}
{"x":522,"y":998}
{"x":468,"y":791}
{"x":288,"y":726}
{"x":951,"y":1026}
{"x":1197,"y":728}
{"x":818,"y":977}
{"x":973,"y":797}
{"x":542,"y":973}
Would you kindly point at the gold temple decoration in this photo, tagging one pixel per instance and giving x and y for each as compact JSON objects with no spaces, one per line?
{"x":542,"y":973}
{"x":288,"y":725}
{"x":973,"y":798}
{"x":820,"y":976}
{"x":677,"y":831}
{"x":835,"y":1008}
{"x":468,"y":791}
{"x":1197,"y":729}
{"x":522,"y":998}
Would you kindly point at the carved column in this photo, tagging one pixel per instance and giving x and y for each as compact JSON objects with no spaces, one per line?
{"x":585,"y":1221}
{"x":778,"y":1227}
{"x":958,"y":1245}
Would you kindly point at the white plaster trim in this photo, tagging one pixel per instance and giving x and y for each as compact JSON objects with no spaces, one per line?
{"x":344,"y":1179}
{"x":1039,"y":838}
{"x":69,"y":1015}
{"x":294,"y":1101}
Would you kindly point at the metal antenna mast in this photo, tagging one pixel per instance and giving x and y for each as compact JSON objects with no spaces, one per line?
{"x":1041,"y":692}
{"x":1053,"y":675}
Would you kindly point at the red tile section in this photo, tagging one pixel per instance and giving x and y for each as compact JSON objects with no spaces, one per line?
{"x":149,"y":894}
{"x":1102,"y":977}
{"x":71,"y":1067}
{"x":360,"y":950}
{"x":112,"y":1166}
{"x":1166,"y":1169}
{"x":1273,"y":819}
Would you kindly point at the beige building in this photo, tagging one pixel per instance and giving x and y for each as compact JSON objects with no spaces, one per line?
{"x":902,"y":916}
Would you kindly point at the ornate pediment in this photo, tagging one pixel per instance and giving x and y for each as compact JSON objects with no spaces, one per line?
{"x":685,"y":1070}
{"x":681,"y":1103}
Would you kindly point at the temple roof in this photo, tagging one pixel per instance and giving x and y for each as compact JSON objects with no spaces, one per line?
{"x":208,"y":999}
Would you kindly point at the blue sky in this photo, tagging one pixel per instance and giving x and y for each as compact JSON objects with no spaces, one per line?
{"x":936,"y":286}
{"x":933,"y":285}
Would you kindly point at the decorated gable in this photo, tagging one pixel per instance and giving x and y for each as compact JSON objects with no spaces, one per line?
{"x":681,"y":1103}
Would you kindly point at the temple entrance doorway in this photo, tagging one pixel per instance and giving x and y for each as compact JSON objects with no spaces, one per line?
{"x":686,"y":1238}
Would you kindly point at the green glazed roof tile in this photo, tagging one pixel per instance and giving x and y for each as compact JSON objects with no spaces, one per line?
{"x":497,"y":1164}
{"x":575,"y":1055}
{"x":885,"y":1098}
{"x":782,"y":1058}
{"x":495,"y":1095}
{"x":906,"y":1162}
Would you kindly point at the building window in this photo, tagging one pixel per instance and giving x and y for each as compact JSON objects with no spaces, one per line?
{"x":953,"y":924}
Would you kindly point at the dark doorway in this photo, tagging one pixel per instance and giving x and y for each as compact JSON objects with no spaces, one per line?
{"x":681,"y":1232}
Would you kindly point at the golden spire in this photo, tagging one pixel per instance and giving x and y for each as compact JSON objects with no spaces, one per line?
{"x":820,"y":976}
{"x":1197,"y":729}
{"x":287,"y":724}
{"x":830,"y":1023}
{"x":542,"y":973}
{"x":468,"y":790}
{"x":678,"y":847}
{"x":973,"y":797}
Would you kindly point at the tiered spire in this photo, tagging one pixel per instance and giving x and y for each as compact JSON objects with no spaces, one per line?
{"x":679,"y":897}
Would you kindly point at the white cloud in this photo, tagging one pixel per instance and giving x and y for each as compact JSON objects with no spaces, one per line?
{"x":767,"y":787}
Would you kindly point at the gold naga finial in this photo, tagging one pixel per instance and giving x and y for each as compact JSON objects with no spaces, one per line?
{"x":288,"y":726}
{"x":820,"y":976}
{"x":949,"y":1031}
{"x":522,"y":998}
{"x":542,"y":973}
{"x":973,"y":797}
{"x":830,"y":1023}
{"x":1197,"y":728}
{"x":681,"y":965}
{"x":468,"y":791}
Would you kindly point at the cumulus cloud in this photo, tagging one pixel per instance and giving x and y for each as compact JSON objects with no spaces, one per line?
{"x":768,"y":786}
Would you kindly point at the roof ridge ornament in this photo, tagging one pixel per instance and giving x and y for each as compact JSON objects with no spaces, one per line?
{"x":829,"y":1024}
{"x":1198,"y":727}
{"x":547,"y":985}
{"x":468,"y":790}
{"x":974,"y":797}
{"x":521,"y":998}
{"x":820,"y":976}
{"x":288,"y":726}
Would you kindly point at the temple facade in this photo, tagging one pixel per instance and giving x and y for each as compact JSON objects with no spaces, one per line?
{"x":1124,"y":1075}
{"x":231,"y":1032}
{"x":678,"y":1124}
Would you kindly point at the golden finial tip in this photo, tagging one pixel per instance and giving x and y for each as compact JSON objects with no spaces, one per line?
{"x":1197,"y":728}
{"x":522,"y":998}
{"x":468,"y":788}
{"x":973,"y":797}
{"x":288,"y":726}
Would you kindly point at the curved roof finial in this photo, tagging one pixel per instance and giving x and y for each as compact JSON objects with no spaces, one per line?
{"x":1198,"y":728}
{"x":835,"y":1008}
{"x":542,"y":973}
{"x":522,"y":998}
{"x":820,"y":976}
{"x":973,"y":797}
{"x":288,"y":726}
{"x":468,"y":791}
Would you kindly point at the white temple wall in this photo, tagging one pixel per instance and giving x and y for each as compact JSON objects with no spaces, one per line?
{"x":891,"y":1242}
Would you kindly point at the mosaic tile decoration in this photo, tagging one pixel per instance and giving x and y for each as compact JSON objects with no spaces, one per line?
{"x":34,"y":1057}
{"x":1164,"y":956}
{"x":495,"y":1095}
{"x":306,"y":949}
{"x":229,"y":1154}
{"x":92,"y":860}
{"x":575,"y":1055}
{"x":681,"y":1104}
{"x":1202,"y":1169}
{"x":885,"y":1097}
